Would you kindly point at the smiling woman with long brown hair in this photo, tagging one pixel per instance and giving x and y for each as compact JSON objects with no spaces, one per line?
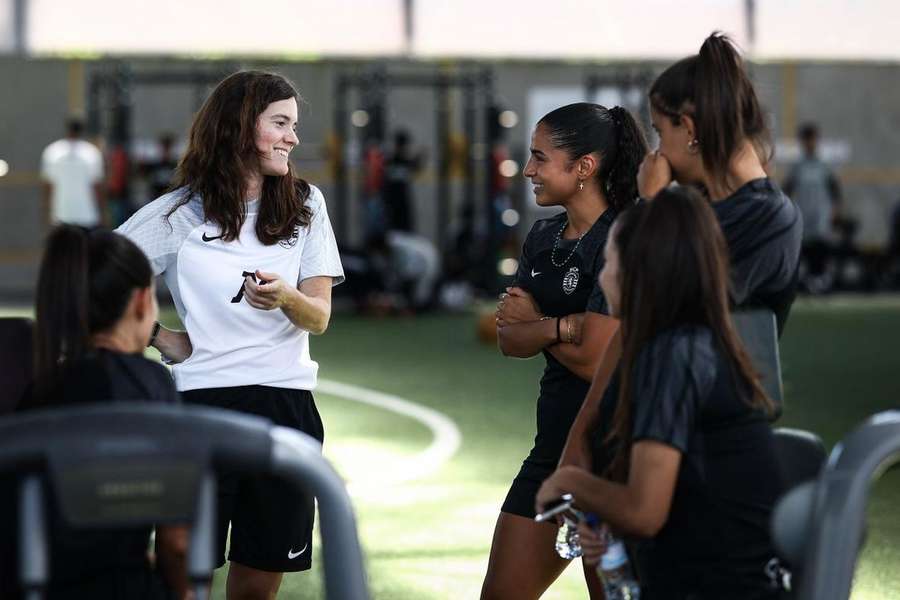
{"x":694,"y":467}
{"x":249,"y":256}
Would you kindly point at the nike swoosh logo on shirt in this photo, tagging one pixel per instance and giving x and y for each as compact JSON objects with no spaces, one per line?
{"x":292,"y":555}
{"x":209,"y":239}
{"x":535,"y":273}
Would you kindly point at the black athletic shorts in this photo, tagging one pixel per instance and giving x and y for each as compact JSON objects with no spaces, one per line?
{"x":524,"y":489}
{"x":271,"y":523}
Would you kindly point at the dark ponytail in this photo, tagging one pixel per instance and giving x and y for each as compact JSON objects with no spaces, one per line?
{"x":714,"y":89}
{"x":584,"y":128}
{"x":61,"y":305}
{"x":621,"y":175}
{"x":85,"y":283}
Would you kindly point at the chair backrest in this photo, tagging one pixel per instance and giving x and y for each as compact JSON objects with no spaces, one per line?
{"x":801,"y":454}
{"x":119,"y":465}
{"x":759,"y":333}
{"x":820,"y":525}
{"x":801,"y":457}
{"x":16,"y":360}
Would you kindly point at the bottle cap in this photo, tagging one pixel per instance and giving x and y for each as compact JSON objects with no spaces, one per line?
{"x":614,"y":557}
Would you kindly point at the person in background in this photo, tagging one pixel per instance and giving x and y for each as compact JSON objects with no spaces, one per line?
{"x":160,"y":172}
{"x":399,"y":170}
{"x":815,"y":188}
{"x":72,"y":174}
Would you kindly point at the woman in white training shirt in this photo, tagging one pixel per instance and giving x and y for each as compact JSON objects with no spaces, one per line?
{"x":248,"y":252}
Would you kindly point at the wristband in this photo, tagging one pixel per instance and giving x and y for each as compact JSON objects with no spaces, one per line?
{"x":154,"y":333}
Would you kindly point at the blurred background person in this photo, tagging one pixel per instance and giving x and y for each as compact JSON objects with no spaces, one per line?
{"x":813,"y":185}
{"x":72,"y":174}
{"x":400,"y":169}
{"x":374,"y":216}
{"x":160,"y":172}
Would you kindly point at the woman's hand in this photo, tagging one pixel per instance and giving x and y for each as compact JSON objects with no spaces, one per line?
{"x":270,"y":293}
{"x":654,"y":175}
{"x":516,"y":306}
{"x":593,"y":542}
{"x":175,"y":346}
{"x":553,"y":487}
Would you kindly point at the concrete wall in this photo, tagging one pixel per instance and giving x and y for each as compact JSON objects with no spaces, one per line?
{"x":857,"y":106}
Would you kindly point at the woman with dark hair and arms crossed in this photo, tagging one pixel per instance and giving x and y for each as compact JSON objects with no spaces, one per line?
{"x":584,"y":158}
{"x":694,"y":467}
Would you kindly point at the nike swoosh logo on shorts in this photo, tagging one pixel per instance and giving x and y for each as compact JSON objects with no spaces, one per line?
{"x":209,"y":239}
{"x":292,"y":555}
{"x":535,"y":273}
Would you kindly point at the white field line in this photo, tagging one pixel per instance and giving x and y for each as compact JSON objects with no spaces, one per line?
{"x":446,"y":436}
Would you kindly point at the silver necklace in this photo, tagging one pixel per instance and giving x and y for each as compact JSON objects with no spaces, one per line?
{"x":556,"y":246}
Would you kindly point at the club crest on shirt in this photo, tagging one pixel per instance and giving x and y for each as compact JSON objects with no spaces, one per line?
{"x":291,"y":241}
{"x":570,"y":280}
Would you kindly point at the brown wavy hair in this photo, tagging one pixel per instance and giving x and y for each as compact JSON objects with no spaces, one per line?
{"x":222,"y":154}
{"x":674,"y":271}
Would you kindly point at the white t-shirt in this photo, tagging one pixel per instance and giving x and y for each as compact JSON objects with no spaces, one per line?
{"x":233,"y":343}
{"x":73,"y":167}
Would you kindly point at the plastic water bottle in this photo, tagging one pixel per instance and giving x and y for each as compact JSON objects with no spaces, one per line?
{"x":568,"y":542}
{"x":616,"y":573}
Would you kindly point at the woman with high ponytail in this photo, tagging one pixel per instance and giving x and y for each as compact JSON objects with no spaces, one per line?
{"x":713,"y":136}
{"x":584,"y":159}
{"x":95,"y":312}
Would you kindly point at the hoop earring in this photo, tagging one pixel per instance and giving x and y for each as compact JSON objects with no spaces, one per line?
{"x":692,"y":146}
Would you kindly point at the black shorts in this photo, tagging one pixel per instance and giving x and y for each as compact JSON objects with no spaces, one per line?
{"x":271,"y":523}
{"x":524,"y":489}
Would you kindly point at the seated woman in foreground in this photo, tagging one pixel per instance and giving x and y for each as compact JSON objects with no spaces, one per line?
{"x":694,"y":468}
{"x":96,"y":311}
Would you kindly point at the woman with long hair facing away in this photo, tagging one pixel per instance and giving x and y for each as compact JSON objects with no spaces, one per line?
{"x":248,"y":253}
{"x":694,"y":467}
{"x":95,"y":309}
{"x":584,"y":159}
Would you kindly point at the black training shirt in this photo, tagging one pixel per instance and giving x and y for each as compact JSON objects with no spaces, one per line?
{"x":763,"y":230}
{"x":715,"y":542}
{"x":562,"y":282}
{"x":82,"y":556}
